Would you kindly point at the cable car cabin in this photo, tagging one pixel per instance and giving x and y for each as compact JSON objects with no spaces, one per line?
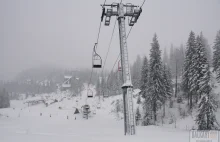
{"x":89,"y":93}
{"x":96,"y":59}
{"x":119,"y":66}
{"x":108,"y":17}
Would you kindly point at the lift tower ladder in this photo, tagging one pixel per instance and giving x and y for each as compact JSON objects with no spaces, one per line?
{"x":129,"y":121}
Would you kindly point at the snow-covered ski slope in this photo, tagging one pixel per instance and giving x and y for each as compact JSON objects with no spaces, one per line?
{"x":58,"y":123}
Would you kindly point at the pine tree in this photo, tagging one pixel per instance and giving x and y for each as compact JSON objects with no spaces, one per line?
{"x":148,"y":113}
{"x":207,"y":106}
{"x":168,"y":85}
{"x":144,"y":78}
{"x":199,"y":60}
{"x":216,"y":56}
{"x":206,"y":119}
{"x":156,"y":82}
{"x":167,"y":81}
{"x":200,"y":119}
{"x":189,"y":68}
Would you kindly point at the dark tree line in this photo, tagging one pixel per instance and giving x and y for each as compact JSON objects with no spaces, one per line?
{"x":4,"y":99}
{"x":197,"y":83}
{"x":193,"y":67}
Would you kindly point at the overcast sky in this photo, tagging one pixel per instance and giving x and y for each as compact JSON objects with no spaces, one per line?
{"x":63,"y":32}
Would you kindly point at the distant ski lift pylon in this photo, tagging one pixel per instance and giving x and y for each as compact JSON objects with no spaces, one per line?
{"x":96,"y":59}
{"x":89,"y":93}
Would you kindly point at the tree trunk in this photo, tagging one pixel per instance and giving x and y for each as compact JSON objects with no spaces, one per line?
{"x":164,"y":110}
{"x":190,"y":103}
{"x":188,"y":98}
{"x":155,"y":111}
{"x":176,"y":81}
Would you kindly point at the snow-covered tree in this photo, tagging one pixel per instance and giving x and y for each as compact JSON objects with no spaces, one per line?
{"x":207,"y":106}
{"x":144,"y":78}
{"x":139,"y":99}
{"x":199,"y":61}
{"x":216,"y":56}
{"x":189,"y":67}
{"x":168,"y":85}
{"x":206,"y":119}
{"x":200,"y":118}
{"x":147,"y":113}
{"x":137,"y":116}
{"x":156,"y":82}
{"x":167,"y":81}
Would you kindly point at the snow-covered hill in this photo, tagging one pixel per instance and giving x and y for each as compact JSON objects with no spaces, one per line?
{"x":57,"y":122}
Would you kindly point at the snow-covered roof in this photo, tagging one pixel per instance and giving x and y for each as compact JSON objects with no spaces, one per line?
{"x":127,"y":83}
{"x":33,"y":99}
{"x":67,"y":76}
{"x":136,"y":91}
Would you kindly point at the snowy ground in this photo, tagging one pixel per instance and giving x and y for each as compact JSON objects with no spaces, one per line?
{"x":24,"y":124}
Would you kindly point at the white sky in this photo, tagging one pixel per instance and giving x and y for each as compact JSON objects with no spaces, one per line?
{"x":63,"y":32}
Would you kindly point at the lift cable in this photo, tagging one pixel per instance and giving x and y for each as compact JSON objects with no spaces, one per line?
{"x":104,"y":2}
{"x":109,"y":46}
{"x":143,"y":3}
{"x":129,"y":33}
{"x":97,"y":41}
{"x":117,"y":57}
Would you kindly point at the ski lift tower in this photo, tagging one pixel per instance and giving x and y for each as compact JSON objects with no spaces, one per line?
{"x":121,"y":11}
{"x":66,"y":85}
